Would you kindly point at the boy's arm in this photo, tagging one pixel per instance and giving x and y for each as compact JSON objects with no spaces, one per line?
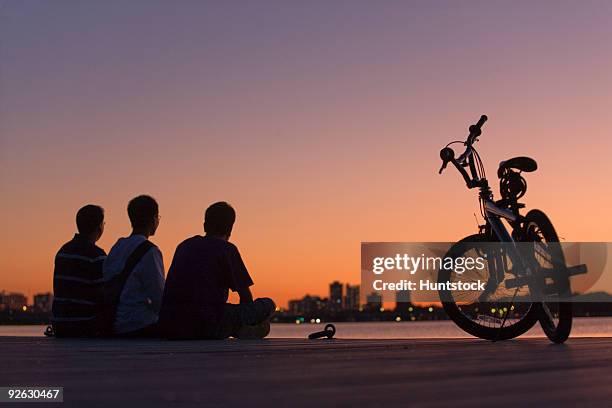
{"x":153,"y":281}
{"x":245,"y":295}
{"x":239,"y":279}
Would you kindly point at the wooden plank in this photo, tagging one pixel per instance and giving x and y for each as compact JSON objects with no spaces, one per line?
{"x":313,"y":373}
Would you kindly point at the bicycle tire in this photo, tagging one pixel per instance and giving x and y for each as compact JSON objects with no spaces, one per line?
{"x":453,"y":310}
{"x":557,"y":332}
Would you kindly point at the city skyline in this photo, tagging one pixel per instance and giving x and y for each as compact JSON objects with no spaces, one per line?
{"x":314,"y":307}
{"x":336,"y":301}
{"x":18,"y":301}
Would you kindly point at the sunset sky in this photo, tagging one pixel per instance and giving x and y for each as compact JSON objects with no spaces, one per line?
{"x":320,"y":122}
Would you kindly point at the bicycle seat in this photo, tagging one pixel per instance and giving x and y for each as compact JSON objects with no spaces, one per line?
{"x":521,"y":163}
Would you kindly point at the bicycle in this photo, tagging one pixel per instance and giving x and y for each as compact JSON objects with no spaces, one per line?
{"x":527,"y":279}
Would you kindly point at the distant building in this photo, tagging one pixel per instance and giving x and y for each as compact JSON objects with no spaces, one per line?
{"x":402,"y":300}
{"x":294,"y":307}
{"x":307,"y":306}
{"x":335,"y":296}
{"x":13,"y":301}
{"x":374,"y":302}
{"x":43,"y":302}
{"x":351,"y":299}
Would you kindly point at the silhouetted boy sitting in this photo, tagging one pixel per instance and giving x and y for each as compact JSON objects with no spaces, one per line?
{"x":203,"y":270}
{"x":134,"y":275}
{"x":77,"y":278}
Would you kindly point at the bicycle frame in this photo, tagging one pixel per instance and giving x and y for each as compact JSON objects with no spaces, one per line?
{"x":494,"y":215}
{"x":493,"y":212}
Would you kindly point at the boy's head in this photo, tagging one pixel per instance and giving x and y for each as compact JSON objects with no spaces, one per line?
{"x":219,"y":220}
{"x":144,"y":215}
{"x":90,"y":221}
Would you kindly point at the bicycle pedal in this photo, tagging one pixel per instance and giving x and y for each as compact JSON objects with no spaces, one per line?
{"x":577,"y":270}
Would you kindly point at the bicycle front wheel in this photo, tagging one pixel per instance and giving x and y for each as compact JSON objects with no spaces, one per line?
{"x":488,"y":316}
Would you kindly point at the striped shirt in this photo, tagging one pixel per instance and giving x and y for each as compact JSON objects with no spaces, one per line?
{"x":77,"y":281}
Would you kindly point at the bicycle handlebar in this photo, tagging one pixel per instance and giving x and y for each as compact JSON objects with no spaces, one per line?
{"x":476,"y":130}
{"x":448,"y":155}
{"x":481,"y":121}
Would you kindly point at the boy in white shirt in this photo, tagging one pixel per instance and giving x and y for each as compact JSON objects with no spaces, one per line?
{"x":135,"y":267}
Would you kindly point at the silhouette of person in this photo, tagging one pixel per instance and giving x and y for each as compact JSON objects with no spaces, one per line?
{"x":77,"y":277}
{"x":139,"y":302}
{"x":203,"y":270}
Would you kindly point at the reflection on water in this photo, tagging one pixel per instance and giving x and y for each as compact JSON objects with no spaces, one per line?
{"x":582,"y":327}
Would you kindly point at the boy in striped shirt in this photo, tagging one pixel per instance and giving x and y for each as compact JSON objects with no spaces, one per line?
{"x":78,"y":277}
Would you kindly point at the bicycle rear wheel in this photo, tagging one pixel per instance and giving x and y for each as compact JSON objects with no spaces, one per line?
{"x":490,"y":317}
{"x":555,"y":315}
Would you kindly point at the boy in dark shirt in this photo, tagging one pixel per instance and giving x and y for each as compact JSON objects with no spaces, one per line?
{"x":203,"y":270}
{"x":77,"y":278}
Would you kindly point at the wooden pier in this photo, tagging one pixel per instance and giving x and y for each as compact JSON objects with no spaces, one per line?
{"x":290,"y":372}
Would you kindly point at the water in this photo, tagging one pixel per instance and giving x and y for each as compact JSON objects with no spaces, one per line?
{"x":582,"y":327}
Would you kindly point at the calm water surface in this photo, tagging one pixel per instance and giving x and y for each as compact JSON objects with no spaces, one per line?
{"x":583,"y":327}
